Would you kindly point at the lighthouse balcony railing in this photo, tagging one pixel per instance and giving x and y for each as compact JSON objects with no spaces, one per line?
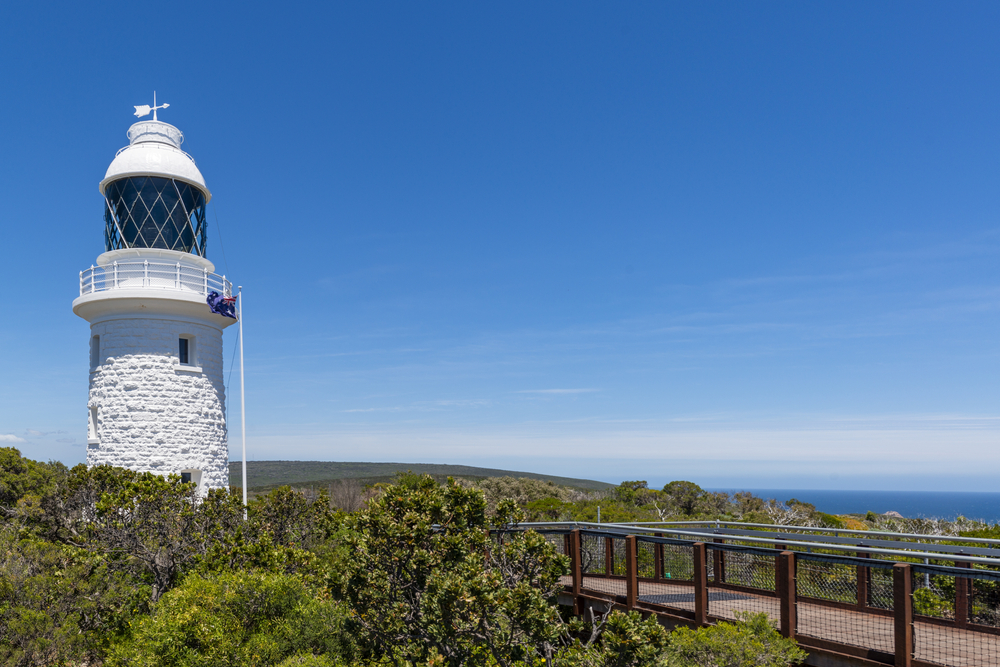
{"x":153,"y":275}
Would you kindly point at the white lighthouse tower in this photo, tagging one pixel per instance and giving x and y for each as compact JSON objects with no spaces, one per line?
{"x":157,"y":397}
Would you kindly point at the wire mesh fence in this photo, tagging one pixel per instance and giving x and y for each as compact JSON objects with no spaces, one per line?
{"x":938,"y":594}
{"x":618,"y":564}
{"x":647,"y":554}
{"x":748,"y":566}
{"x":826,"y":590}
{"x":880,"y":595}
{"x":614,"y":586}
{"x":557,"y":538}
{"x":669,"y":595}
{"x":678,"y":562}
{"x":828,"y":580}
{"x":600,"y":554}
{"x":745,"y":566}
{"x":984,"y":597}
{"x":950,"y":646}
{"x":593,"y":559}
{"x":944,"y":606}
{"x":731,"y":605}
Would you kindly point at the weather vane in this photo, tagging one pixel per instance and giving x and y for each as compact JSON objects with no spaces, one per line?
{"x":144,"y":109}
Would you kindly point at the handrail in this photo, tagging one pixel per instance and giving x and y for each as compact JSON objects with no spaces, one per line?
{"x":631,"y":529}
{"x":144,"y":274}
{"x":862,"y":542}
{"x":812,"y":529}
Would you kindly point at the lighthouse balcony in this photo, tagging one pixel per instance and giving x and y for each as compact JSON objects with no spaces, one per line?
{"x":153,"y":275}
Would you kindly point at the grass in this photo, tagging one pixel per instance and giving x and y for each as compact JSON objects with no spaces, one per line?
{"x":266,"y":475}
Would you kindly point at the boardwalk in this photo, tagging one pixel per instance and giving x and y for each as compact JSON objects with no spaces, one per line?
{"x":934,"y":644}
{"x":872,"y":598}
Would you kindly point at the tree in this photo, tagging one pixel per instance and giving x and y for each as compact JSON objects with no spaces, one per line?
{"x":547,"y":509}
{"x":143,"y":522}
{"x":157,"y":528}
{"x":347,"y":494}
{"x":292,"y":519}
{"x":684,"y":495}
{"x":631,"y":492}
{"x":427,"y":583}
{"x":522,"y":490}
{"x":20,"y":477}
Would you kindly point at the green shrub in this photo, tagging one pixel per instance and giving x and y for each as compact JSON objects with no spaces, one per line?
{"x":248,"y":618}
{"x":308,"y":660}
{"x":626,"y":641}
{"x":830,"y":520}
{"x":751,"y":642}
{"x":927,"y":603}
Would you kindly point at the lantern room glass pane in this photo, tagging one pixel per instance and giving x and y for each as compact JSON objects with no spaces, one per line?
{"x":154,"y":212}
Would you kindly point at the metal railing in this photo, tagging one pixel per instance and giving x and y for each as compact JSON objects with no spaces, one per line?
{"x":145,"y":274}
{"x":735,"y":527}
{"x":888,"y":606}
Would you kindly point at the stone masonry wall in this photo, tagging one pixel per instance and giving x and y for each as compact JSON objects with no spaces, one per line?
{"x":150,"y":415}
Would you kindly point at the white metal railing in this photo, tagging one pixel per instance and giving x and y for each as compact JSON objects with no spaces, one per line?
{"x":144,"y":274}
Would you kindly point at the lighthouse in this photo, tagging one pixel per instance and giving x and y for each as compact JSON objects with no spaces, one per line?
{"x":157,"y":398}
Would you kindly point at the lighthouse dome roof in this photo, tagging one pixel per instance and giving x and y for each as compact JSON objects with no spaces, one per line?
{"x":155,"y":150}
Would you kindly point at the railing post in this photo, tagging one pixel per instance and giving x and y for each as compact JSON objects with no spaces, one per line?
{"x":177,"y":280}
{"x":576,"y":569}
{"x":81,"y":282}
{"x":631,"y":571}
{"x":719,"y":563}
{"x":784,"y":586}
{"x":93,"y":283}
{"x":658,"y":558}
{"x":609,"y":556}
{"x":902,"y":601}
{"x":963,"y":597}
{"x":116,"y":275}
{"x":700,"y":584}
{"x":205,"y":272}
{"x":145,"y":273}
{"x":864,"y":577}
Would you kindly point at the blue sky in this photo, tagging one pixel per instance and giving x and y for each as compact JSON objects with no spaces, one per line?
{"x":745,"y":244}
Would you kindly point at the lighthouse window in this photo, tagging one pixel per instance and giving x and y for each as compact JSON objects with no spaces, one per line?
{"x":183,"y":351}
{"x":92,"y":426}
{"x":95,"y":352}
{"x":192,"y":476}
{"x":153,"y":212}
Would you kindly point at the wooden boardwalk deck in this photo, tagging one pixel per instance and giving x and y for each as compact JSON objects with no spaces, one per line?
{"x":948,"y":646}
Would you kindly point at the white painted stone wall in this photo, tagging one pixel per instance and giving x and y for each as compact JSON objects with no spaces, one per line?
{"x":153,"y":414}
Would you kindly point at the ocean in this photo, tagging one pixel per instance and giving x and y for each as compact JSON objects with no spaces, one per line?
{"x":913,"y":504}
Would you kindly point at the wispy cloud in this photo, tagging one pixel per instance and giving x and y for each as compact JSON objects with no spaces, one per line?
{"x":427,"y":406}
{"x":556,"y":391}
{"x":10,"y":437}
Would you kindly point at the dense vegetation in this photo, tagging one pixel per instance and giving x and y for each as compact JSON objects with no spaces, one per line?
{"x":264,"y":476}
{"x":105,"y":566}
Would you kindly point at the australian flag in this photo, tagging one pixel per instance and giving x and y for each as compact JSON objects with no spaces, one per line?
{"x":223,"y":305}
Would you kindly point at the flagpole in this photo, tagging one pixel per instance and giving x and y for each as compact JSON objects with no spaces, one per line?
{"x":243,"y":407}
